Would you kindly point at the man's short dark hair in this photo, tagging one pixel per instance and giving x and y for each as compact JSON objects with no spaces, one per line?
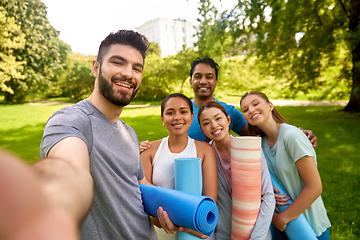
{"x":124,"y":37}
{"x":205,"y":60}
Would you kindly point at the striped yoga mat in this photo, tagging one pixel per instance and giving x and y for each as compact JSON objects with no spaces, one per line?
{"x":246,"y":185}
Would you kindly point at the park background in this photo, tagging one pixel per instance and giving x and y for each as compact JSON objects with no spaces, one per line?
{"x":255,"y":51}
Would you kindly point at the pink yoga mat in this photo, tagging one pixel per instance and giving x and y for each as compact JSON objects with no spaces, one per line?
{"x":246,"y":185}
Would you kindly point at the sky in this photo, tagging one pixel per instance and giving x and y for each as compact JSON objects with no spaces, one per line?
{"x":83,"y":24}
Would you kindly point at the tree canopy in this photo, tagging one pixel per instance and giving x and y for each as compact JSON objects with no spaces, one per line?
{"x":43,"y":52}
{"x":11,"y":38}
{"x":329,"y":36}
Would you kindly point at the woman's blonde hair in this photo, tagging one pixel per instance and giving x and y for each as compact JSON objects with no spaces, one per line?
{"x":275,"y":114}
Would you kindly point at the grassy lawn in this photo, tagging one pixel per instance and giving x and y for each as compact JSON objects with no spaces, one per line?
{"x":338,"y":148}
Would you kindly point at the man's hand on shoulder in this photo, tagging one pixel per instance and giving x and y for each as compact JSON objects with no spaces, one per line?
{"x":312,"y":138}
{"x":144,"y":145}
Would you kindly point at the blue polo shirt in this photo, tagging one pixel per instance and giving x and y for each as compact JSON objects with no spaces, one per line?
{"x":238,"y":121}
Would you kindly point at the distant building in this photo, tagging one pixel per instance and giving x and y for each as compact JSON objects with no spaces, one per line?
{"x":170,"y":34}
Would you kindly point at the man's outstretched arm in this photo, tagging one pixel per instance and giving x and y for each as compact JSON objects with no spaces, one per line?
{"x":49,"y":199}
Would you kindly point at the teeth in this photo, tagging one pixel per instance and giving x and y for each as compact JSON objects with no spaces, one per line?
{"x":255,"y":115}
{"x":217,"y":132}
{"x":123,"y":85}
{"x":178,"y":125}
{"x":203,"y":88}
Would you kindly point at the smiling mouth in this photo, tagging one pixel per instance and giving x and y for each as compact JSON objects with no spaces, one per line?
{"x":203,"y":88}
{"x":216,"y":132}
{"x":255,"y":116}
{"x":122,"y":84}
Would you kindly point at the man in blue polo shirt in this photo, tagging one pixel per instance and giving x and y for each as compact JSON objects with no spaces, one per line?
{"x":203,"y":80}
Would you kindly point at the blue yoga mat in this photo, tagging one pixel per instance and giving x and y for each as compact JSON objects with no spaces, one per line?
{"x":189,"y":210}
{"x":188,"y":178}
{"x":188,"y":175}
{"x":299,"y":228}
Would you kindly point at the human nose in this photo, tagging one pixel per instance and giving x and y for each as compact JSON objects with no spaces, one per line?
{"x":214,"y":124}
{"x":251,"y":109}
{"x":203,"y":80}
{"x":127,"y":72}
{"x":177,"y":116}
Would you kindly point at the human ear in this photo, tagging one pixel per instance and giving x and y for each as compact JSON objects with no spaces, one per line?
{"x":95,"y":68}
{"x":271,"y":106}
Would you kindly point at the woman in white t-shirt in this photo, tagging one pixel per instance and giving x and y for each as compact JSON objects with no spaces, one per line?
{"x":158,"y":161}
{"x":292,"y":160}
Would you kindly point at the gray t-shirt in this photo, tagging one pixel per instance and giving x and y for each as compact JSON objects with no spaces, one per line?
{"x":117,"y":211}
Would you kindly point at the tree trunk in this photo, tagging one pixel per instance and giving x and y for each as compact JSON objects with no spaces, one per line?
{"x":9,"y":98}
{"x":354,"y":103}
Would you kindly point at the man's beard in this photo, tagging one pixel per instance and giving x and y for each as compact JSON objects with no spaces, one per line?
{"x":117,"y":98}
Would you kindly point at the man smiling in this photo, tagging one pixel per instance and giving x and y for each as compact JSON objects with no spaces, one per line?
{"x":203,"y":80}
{"x":88,"y":179}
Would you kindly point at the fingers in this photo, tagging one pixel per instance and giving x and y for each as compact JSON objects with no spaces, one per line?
{"x":277,"y":209}
{"x":313,"y":140}
{"x":276,"y":190}
{"x":165,"y":221}
{"x":144,"y":145}
{"x":281,"y":199}
{"x":311,"y":136}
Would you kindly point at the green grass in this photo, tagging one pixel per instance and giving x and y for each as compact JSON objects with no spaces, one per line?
{"x":22,"y":126}
{"x":338,"y":156}
{"x":337,"y":152}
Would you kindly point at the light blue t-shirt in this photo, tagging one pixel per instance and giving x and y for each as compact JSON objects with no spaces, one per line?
{"x":292,"y":145}
{"x":238,"y":121}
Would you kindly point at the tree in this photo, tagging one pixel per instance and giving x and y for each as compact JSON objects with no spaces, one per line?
{"x":214,"y":39}
{"x":330,"y":36}
{"x":11,"y":38}
{"x":43,"y":52}
{"x":75,"y":80}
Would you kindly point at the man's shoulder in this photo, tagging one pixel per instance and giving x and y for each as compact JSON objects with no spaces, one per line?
{"x":71,"y":114}
{"x":224,"y":104}
{"x":230,"y":109}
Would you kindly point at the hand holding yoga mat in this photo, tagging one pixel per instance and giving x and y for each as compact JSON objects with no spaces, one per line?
{"x":188,"y":178}
{"x":192,"y":211}
{"x":299,"y":228}
{"x":246,"y":185}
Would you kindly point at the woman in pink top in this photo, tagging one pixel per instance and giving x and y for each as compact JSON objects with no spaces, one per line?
{"x":214,"y":122}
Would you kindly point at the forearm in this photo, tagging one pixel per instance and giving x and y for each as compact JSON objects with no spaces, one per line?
{"x":66,"y":186}
{"x":25,"y":212}
{"x":267,"y":207}
{"x":264,"y":218}
{"x":300,"y":204}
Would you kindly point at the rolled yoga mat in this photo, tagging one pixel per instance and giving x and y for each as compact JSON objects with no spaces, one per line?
{"x":188,"y":178}
{"x":299,"y":228}
{"x":246,"y":185}
{"x":189,"y":210}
